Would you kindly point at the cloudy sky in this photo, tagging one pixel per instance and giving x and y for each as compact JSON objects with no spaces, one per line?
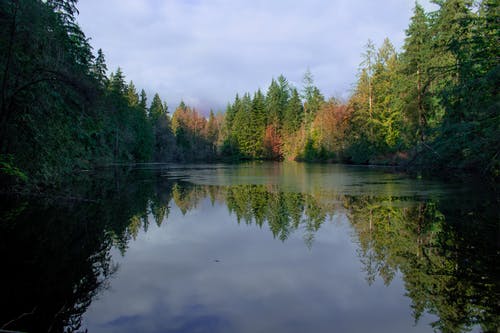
{"x":204,"y":52}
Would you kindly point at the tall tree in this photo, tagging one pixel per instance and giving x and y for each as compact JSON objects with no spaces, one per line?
{"x":294,"y":113}
{"x":242,"y":126}
{"x":132,"y":96}
{"x":386,"y":112}
{"x":99,"y":69}
{"x":368,"y":63}
{"x":117,"y":82}
{"x":312,"y":98}
{"x":416,"y":62}
{"x":143,"y":102}
{"x":212,"y":132}
{"x":470,"y":127}
{"x":156,"y":110}
{"x":273,"y":104}
{"x":258,"y":123}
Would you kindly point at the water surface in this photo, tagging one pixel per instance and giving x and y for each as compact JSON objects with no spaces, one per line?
{"x":261,"y":247}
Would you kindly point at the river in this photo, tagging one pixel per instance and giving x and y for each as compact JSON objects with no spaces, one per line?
{"x":257,"y":247}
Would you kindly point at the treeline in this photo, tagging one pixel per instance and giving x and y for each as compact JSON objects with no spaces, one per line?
{"x":434,"y":106}
{"x":60,"y":112}
{"x":436,"y":103}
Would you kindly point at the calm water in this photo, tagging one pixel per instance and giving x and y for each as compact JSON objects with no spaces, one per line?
{"x":252,"y":248}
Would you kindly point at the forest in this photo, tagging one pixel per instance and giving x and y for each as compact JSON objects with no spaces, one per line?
{"x":433,"y":107}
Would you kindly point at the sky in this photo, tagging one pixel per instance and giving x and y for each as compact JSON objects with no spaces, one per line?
{"x":204,"y":52}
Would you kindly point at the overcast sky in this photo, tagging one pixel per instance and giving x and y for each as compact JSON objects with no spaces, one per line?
{"x":204,"y":52}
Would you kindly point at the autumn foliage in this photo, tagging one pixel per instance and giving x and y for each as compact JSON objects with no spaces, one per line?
{"x":272,"y":144}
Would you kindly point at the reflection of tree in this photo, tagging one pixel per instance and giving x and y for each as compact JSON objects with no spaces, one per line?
{"x":285,"y":212}
{"x":54,"y":261}
{"x":56,"y":257}
{"x":448,"y":255}
{"x":187,"y":196}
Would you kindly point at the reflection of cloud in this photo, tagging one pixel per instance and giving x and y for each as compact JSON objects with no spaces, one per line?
{"x":206,"y":51}
{"x":193,"y":319}
{"x":170,"y":282}
{"x":122,"y":321}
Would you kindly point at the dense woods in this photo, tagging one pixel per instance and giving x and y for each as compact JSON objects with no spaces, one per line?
{"x":431,"y":107}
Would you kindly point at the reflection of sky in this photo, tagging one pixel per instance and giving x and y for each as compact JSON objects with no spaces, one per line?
{"x":203,"y":272}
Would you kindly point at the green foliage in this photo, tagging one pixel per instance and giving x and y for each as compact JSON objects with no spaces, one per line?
{"x":242,"y":127}
{"x":294,"y":114}
{"x":59,"y":112}
{"x":8,"y":169}
{"x":437,"y":102}
{"x":277,"y":97}
{"x":435,"y":105}
{"x":467,"y":136}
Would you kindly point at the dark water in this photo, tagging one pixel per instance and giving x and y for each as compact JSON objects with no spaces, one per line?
{"x":252,"y":248}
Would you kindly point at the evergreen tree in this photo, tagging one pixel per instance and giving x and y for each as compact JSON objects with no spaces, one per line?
{"x":294,"y":114}
{"x":258,"y":123}
{"x":229,"y":144}
{"x":470,"y":127}
{"x":312,"y":98}
{"x":143,"y":102}
{"x":99,"y":69}
{"x":364,"y":128}
{"x":368,"y":64}
{"x":117,"y":82}
{"x":284,"y":95}
{"x":163,"y":138}
{"x":212,"y":132}
{"x":242,"y":127}
{"x":416,"y":63}
{"x":387,"y":113}
{"x":274,"y":104}
{"x":156,"y":110}
{"x":132,"y":96}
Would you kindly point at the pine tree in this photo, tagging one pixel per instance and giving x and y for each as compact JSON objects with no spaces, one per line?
{"x":284,"y":95}
{"x":229,"y":143}
{"x":99,"y":69}
{"x":143,"y":102}
{"x":368,"y":64}
{"x":386,"y":112}
{"x":258,"y":123}
{"x":273,"y":104}
{"x":312,"y":98}
{"x":132,"y":96}
{"x":294,"y":114}
{"x":156,"y":109}
{"x":470,"y":127}
{"x":117,"y":82}
{"x":212,"y":131}
{"x":362,"y":142}
{"x":242,"y":127}
{"x":416,"y":65}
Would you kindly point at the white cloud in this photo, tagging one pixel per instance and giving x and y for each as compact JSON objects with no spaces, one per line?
{"x":207,"y":51}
